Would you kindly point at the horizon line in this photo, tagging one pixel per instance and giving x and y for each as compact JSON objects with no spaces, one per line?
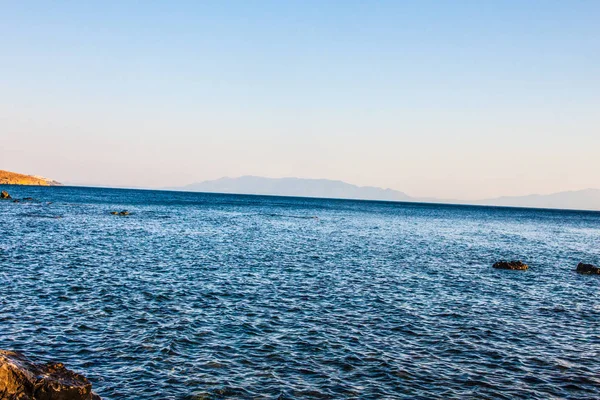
{"x":415,"y":201}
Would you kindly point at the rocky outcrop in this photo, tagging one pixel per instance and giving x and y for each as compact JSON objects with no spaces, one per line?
{"x":512,"y":265}
{"x":13,"y":178}
{"x":21,"y":379}
{"x":588,"y":269}
{"x":4,"y":195}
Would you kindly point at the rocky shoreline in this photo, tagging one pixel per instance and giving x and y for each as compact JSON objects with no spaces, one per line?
{"x":14,"y":178}
{"x":22,"y":379}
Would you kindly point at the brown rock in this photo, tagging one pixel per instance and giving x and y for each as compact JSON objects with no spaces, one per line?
{"x":512,"y":265}
{"x":587,"y":269}
{"x":4,"y":195}
{"x":122,"y":213}
{"x":21,"y":379}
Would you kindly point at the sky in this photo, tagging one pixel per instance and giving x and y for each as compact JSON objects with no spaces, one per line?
{"x":448,"y":99}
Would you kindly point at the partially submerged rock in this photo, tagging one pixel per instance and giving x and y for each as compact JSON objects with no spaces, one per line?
{"x":4,"y":195}
{"x":587,"y":269}
{"x":512,"y":265}
{"x":122,"y":213}
{"x":21,"y":379}
{"x":24,"y":199}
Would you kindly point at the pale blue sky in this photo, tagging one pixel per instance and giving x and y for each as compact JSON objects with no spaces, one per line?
{"x":460,"y":99}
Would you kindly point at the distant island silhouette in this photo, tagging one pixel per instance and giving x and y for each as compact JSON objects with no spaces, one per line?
{"x":587,"y":199}
{"x":296,"y":187}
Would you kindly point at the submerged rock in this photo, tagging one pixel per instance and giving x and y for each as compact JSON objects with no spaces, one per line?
{"x":587,"y":269}
{"x":512,"y":265}
{"x":21,"y":379}
{"x":24,"y":199}
{"x":4,"y":195}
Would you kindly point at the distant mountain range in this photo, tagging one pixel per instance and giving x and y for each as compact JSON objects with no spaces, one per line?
{"x":588,"y":199}
{"x":296,"y":187}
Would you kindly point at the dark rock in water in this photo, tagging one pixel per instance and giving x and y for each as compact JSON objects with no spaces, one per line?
{"x":587,"y":269}
{"x":512,"y":265}
{"x":28,"y":199}
{"x":21,"y":379}
{"x":124,"y":212}
{"x":4,"y":195}
{"x":16,"y":201}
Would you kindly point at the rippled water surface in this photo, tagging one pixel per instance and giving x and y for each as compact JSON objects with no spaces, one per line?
{"x":198,"y":296}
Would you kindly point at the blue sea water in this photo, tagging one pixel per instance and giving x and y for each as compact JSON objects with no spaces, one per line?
{"x":197,"y":296}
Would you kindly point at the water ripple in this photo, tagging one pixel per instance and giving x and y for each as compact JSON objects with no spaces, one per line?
{"x":197,"y":296}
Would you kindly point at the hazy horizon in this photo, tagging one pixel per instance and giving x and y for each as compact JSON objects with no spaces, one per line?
{"x":587,"y":198}
{"x":459,"y":101}
{"x":417,"y":198}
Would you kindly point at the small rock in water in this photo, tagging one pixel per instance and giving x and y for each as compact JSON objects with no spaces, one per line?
{"x":124,"y":212}
{"x":4,"y":195}
{"x":587,"y":269}
{"x":512,"y":265}
{"x":22,"y":379}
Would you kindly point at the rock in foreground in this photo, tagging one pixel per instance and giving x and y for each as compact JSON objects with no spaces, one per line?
{"x":4,"y":195}
{"x":21,"y":379}
{"x":512,"y":265}
{"x":587,"y":269}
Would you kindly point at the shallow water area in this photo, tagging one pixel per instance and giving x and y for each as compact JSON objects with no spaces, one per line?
{"x":227,"y":296}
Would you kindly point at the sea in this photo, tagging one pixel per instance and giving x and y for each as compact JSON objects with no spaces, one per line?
{"x":211,"y":296}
